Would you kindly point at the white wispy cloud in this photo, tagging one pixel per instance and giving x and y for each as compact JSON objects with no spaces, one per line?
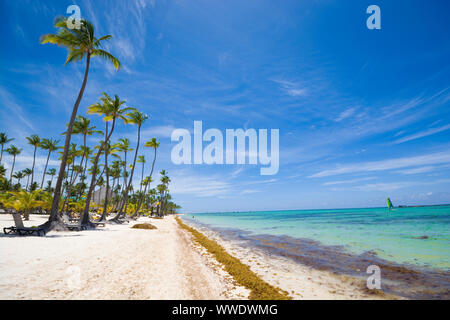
{"x":200,"y":186}
{"x":422,"y":134}
{"x":12,"y":107}
{"x":434,"y":158}
{"x":418,"y":170}
{"x":390,"y":186}
{"x":25,"y":161}
{"x":331,"y":183}
{"x":249,"y":191}
{"x":292,"y":88}
{"x":158,"y":132}
{"x":345,"y":114}
{"x":384,"y":186}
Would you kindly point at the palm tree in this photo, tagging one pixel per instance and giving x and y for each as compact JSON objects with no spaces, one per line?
{"x":14,"y":151}
{"x":103,"y":107}
{"x":109,"y":150}
{"x":88,"y":152}
{"x":82,"y":125}
{"x":161,"y":190}
{"x":51,"y":172}
{"x":124,"y":146}
{"x":150,"y":144}
{"x":24,"y":201}
{"x":137,"y":118}
{"x":141,"y":159}
{"x":35,"y":141}
{"x":111,"y":110}
{"x":2,"y":173}
{"x":3,"y":140}
{"x":80,"y":43}
{"x":19,"y":176}
{"x":50,"y":145}
{"x":27,"y":172}
{"x":165,"y":181}
{"x":73,"y":153}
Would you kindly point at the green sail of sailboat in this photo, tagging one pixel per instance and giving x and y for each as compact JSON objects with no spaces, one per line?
{"x":389,"y":203}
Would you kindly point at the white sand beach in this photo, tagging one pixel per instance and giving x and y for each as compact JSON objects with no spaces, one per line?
{"x":117,"y":262}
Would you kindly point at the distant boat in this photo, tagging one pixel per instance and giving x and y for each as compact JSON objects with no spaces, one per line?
{"x":389,"y":203}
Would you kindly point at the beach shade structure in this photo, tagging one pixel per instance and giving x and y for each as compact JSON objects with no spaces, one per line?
{"x":20,"y":229}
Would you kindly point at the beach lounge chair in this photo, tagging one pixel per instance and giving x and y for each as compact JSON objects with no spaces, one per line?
{"x":20,"y":229}
{"x":98,"y":223}
{"x":72,"y":226}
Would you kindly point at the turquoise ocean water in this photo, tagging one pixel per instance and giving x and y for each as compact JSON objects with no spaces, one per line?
{"x":418,"y":236}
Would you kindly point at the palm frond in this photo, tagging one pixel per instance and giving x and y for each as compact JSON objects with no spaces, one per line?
{"x":107,"y":56}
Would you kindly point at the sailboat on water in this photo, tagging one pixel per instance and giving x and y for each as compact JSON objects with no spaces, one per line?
{"x":389,"y":203}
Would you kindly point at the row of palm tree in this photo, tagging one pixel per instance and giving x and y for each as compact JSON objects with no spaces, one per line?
{"x":83,"y":44}
{"x":80,"y":156}
{"x":49,"y":145}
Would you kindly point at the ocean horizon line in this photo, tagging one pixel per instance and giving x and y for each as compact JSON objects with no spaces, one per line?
{"x":311,"y":209}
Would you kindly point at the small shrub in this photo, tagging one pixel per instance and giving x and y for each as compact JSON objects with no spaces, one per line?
{"x":146,"y":226}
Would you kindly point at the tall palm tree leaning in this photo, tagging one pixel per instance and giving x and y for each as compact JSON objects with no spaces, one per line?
{"x":150,"y":144}
{"x":137,"y":118}
{"x":14,"y":151}
{"x":81,"y":43}
{"x":35,"y":141}
{"x":50,"y":145}
{"x":111,"y":110}
{"x":4,"y":140}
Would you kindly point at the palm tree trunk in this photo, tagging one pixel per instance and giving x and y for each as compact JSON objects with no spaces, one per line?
{"x":124,"y":185}
{"x":105,"y":206}
{"x":1,"y":154}
{"x":142,"y":177}
{"x":69,"y":188}
{"x":145,"y":188}
{"x":32,"y":169}
{"x":62,"y":167}
{"x":85,"y":217}
{"x":12,"y":169}
{"x":132,"y":170}
{"x":45,"y":169}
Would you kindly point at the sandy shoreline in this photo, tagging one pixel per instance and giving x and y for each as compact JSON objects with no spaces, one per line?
{"x":300,"y":281}
{"x":117,"y":262}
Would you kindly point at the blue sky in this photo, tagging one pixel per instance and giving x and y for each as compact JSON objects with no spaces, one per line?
{"x":363,"y":114}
